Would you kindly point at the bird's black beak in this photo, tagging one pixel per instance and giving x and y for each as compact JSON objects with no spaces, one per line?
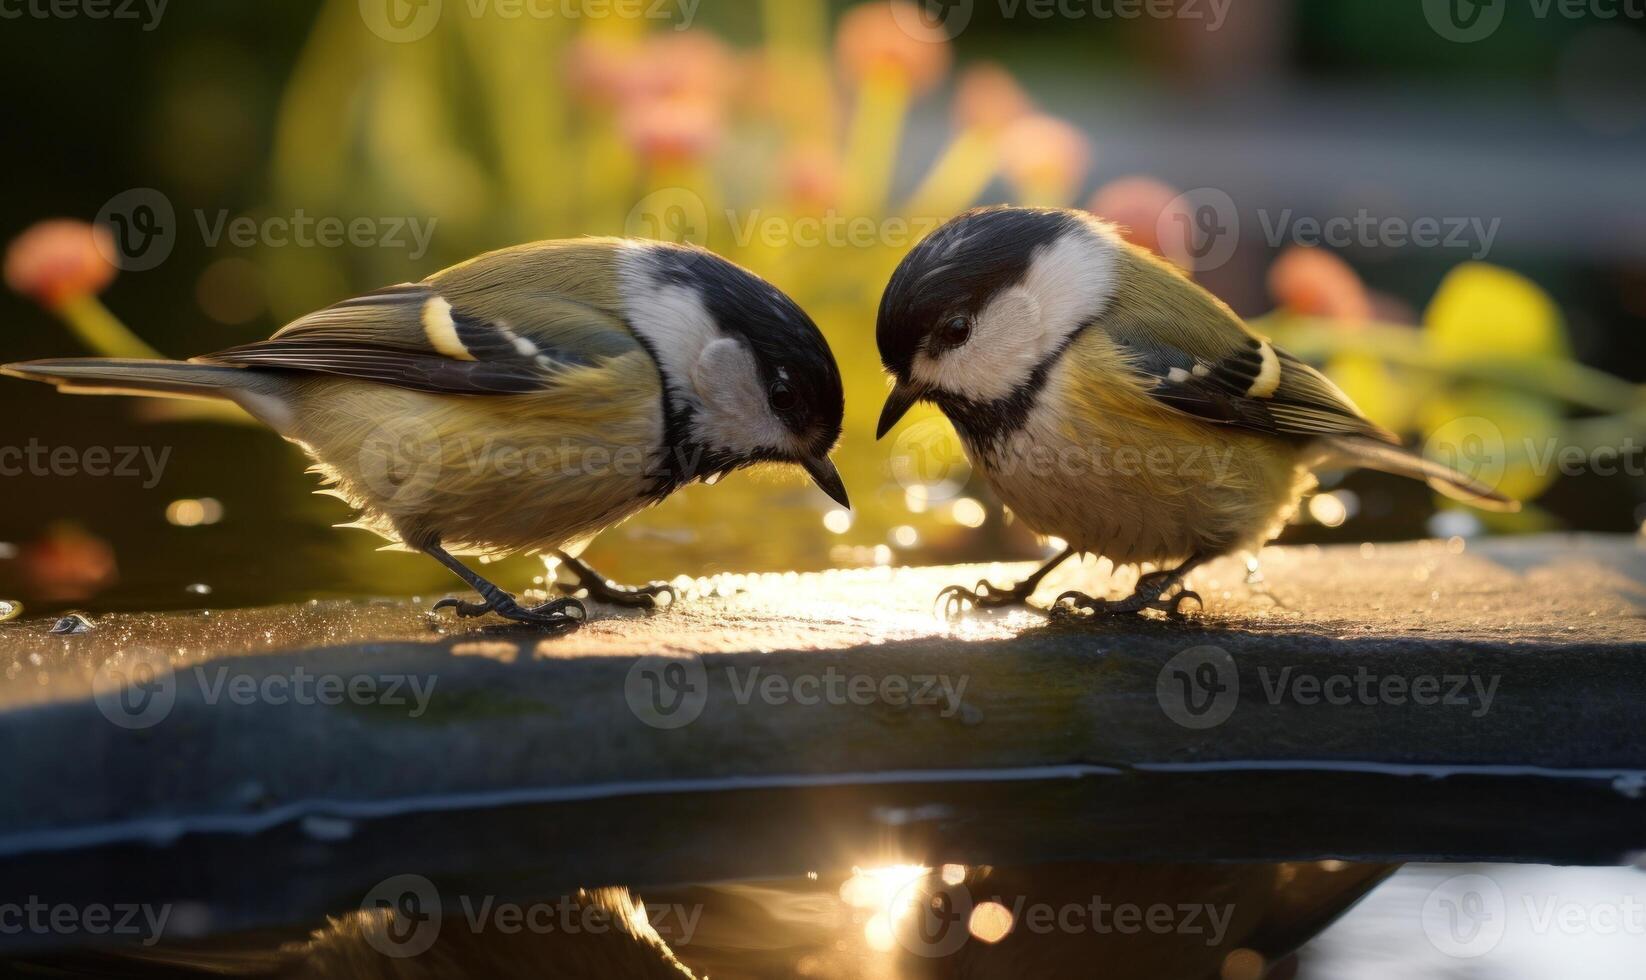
{"x":828,"y":479}
{"x":898,"y":403}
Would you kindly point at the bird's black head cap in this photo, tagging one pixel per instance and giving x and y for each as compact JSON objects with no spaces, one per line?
{"x":794,"y":360}
{"x":955,"y":270}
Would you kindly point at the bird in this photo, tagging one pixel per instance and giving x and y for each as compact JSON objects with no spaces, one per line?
{"x":1112,"y":402}
{"x":526,"y":399}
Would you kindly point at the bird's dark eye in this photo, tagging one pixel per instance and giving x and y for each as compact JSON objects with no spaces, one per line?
{"x":953,"y":332}
{"x":781,"y":397}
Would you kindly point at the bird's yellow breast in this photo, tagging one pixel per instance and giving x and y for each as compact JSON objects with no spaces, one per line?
{"x":490,"y":474}
{"x":1104,"y":466}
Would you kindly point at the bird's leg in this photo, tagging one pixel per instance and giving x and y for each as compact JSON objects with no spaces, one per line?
{"x":557,"y":616}
{"x":1149,"y":594}
{"x":602,"y":589}
{"x":955,"y":598}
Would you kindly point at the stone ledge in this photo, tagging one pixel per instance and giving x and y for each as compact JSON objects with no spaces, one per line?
{"x":544,"y":757}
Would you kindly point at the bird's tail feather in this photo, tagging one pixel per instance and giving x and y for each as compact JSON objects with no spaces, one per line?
{"x":123,"y":376}
{"x":1374,"y":454}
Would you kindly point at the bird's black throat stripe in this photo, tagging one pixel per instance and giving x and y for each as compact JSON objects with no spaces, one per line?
{"x":986,"y":424}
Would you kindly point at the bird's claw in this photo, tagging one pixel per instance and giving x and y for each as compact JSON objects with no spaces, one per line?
{"x":557,"y":615}
{"x":956,"y":599}
{"x":1072,"y":604}
{"x":645,"y":596}
{"x":462,"y":608}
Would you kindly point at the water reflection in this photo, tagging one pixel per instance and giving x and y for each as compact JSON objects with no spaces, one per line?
{"x":896,"y":921}
{"x":904,"y":921}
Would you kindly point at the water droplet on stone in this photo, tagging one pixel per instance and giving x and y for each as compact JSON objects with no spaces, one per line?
{"x":71,"y":624}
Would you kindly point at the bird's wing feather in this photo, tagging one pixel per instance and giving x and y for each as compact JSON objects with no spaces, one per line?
{"x":509,"y":322}
{"x":1194,"y":354}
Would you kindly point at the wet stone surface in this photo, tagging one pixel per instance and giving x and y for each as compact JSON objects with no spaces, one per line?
{"x":1509,"y":653}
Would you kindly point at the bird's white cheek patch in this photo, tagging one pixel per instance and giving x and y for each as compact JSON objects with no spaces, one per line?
{"x":671,"y":318}
{"x":1005,"y":346}
{"x":735,"y":413}
{"x":1067,"y":284}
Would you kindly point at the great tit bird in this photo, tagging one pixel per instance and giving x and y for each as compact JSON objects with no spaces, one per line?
{"x":1112,"y":402}
{"x":526,"y":399}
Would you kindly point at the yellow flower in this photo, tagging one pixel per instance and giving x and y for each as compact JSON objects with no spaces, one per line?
{"x":1483,"y":309}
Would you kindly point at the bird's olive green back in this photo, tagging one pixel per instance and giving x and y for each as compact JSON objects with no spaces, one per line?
{"x":507,"y":322}
{"x":1196,"y":355}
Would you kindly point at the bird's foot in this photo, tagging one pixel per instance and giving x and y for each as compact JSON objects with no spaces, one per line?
{"x":555,"y":616}
{"x":956,"y":599}
{"x":602,"y":589}
{"x":1149,"y":595}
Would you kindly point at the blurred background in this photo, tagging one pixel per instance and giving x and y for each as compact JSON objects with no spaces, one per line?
{"x":1439,"y":203}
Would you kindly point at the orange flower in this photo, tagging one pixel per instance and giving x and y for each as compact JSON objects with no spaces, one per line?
{"x":675,"y":130}
{"x":608,"y":71}
{"x":1314,"y":282}
{"x":1044,"y":155}
{"x":67,"y":564}
{"x":988,"y":97}
{"x":1142,"y":206}
{"x":891,"y":38}
{"x":58,"y":260}
{"x":690,"y":65}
